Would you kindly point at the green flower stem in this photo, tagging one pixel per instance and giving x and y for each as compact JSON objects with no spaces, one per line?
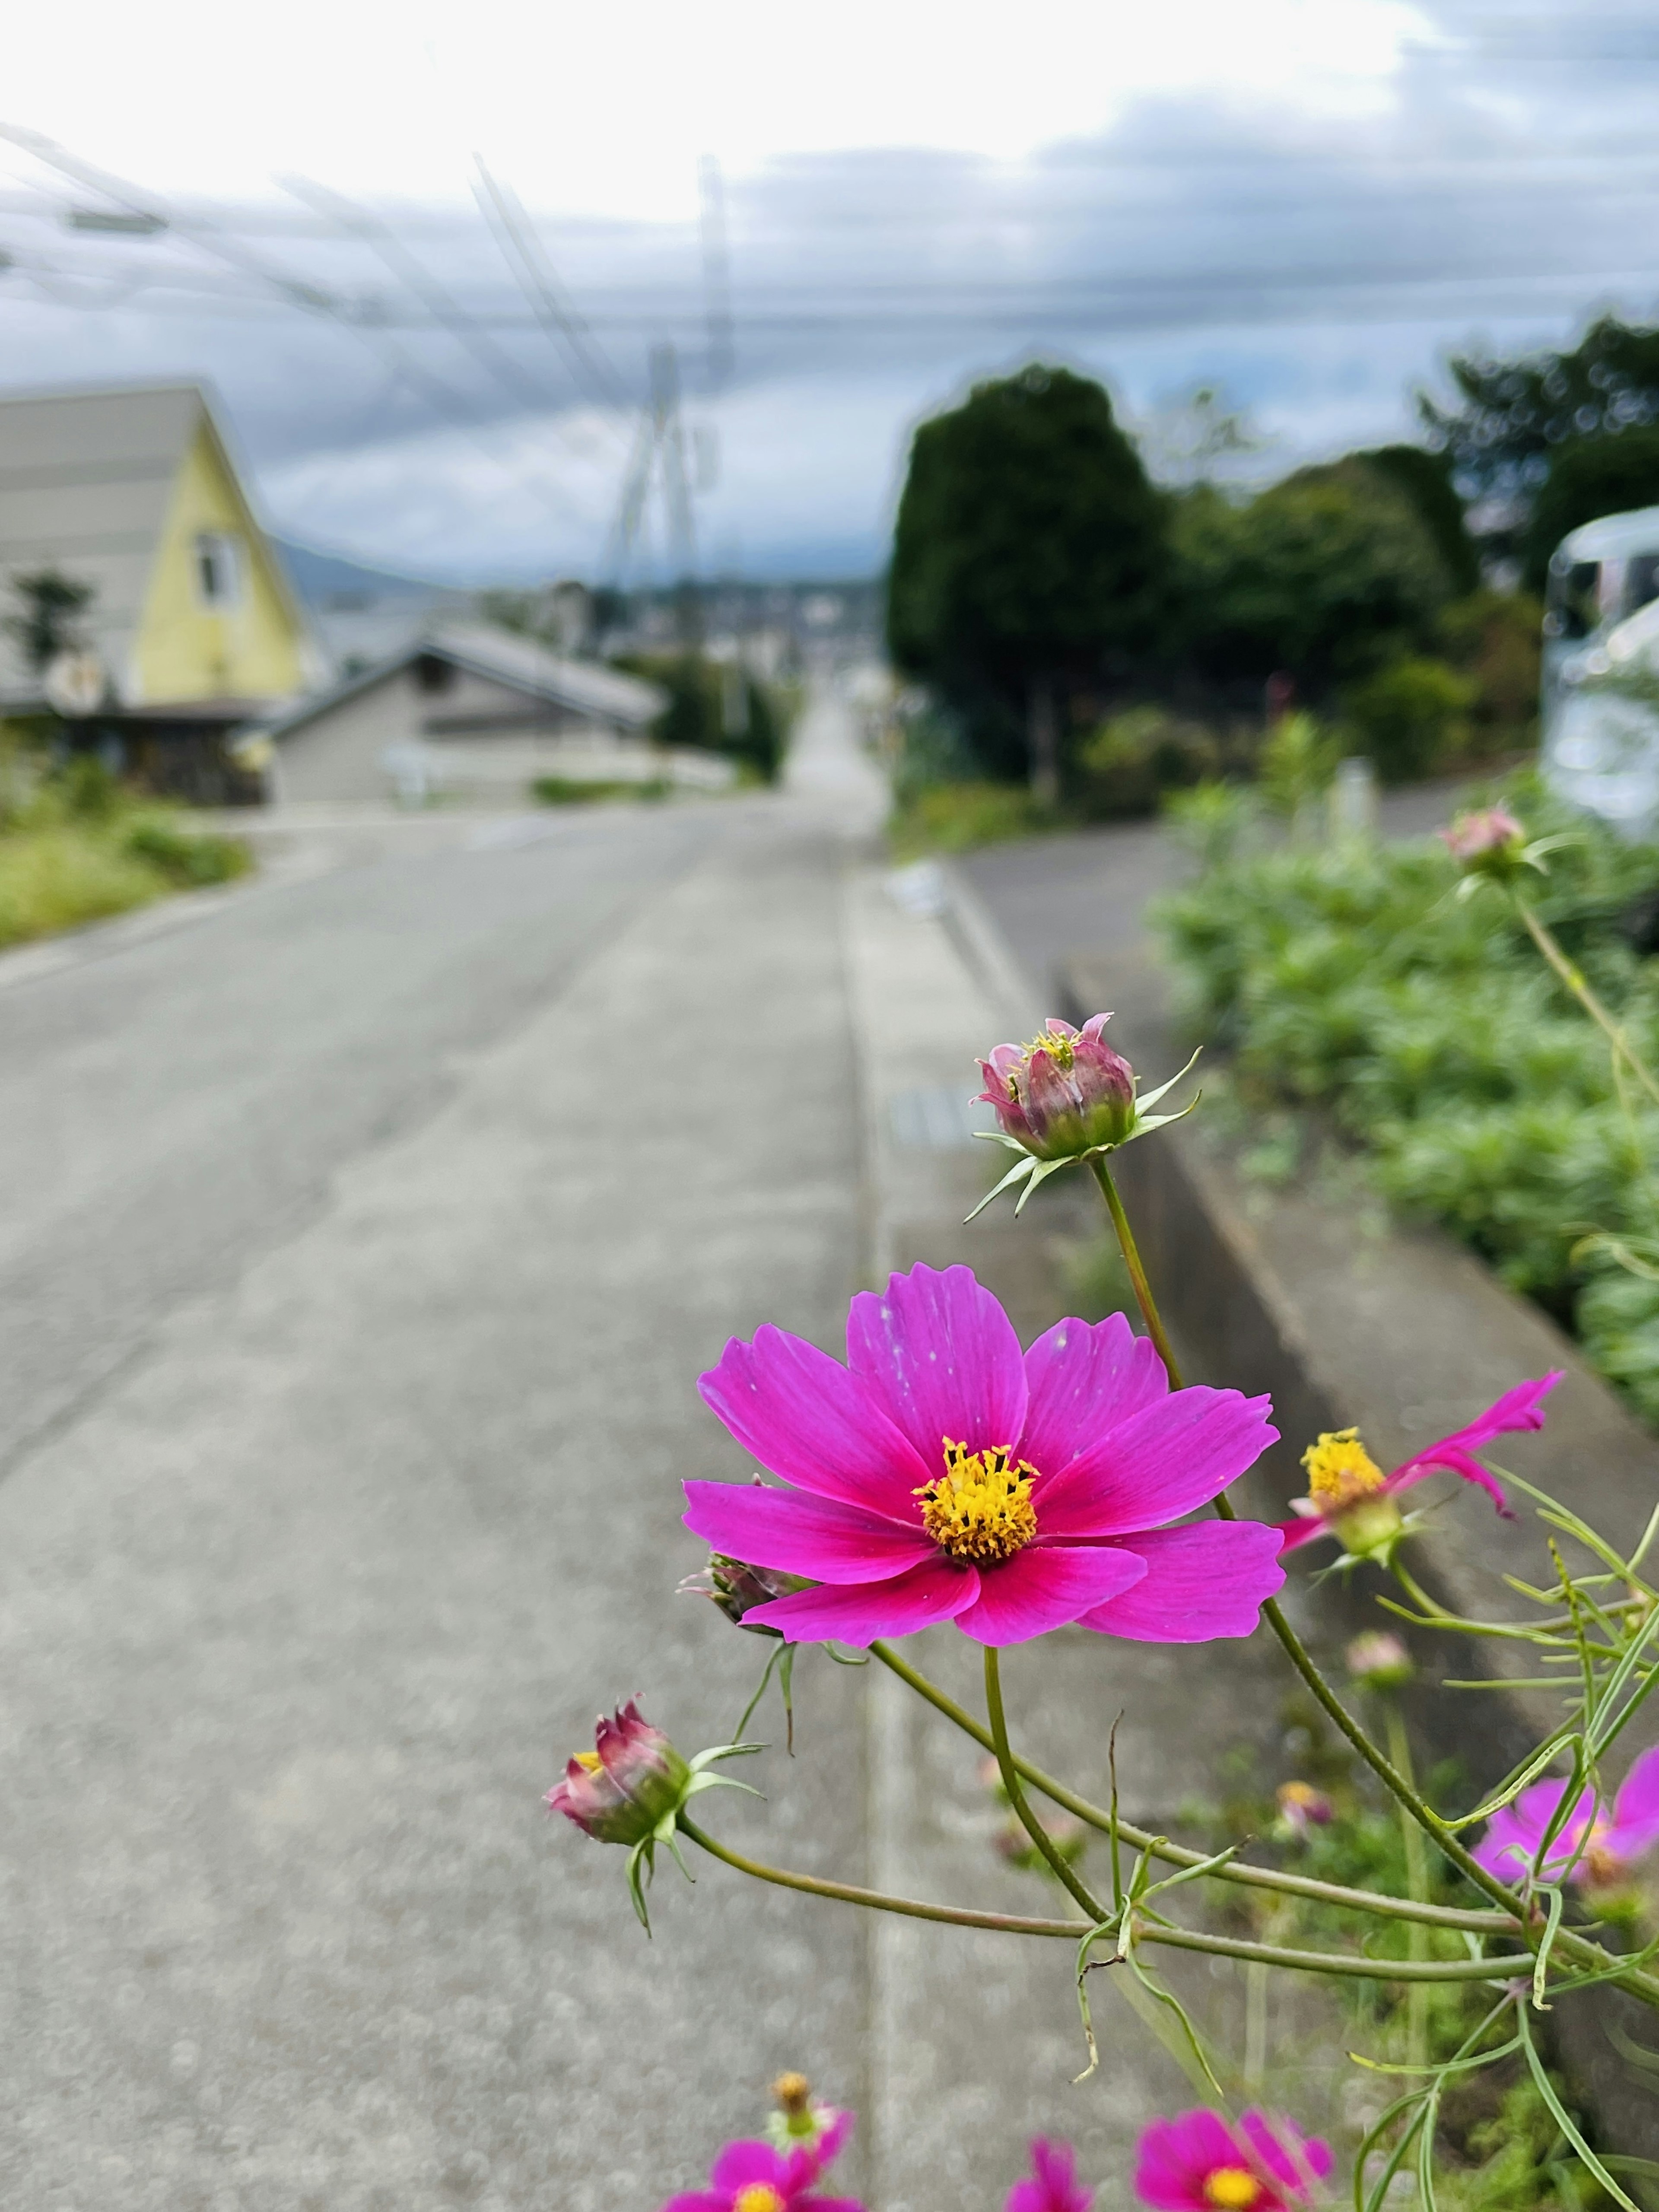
{"x":1349,"y":1963}
{"x":1271,"y":1878}
{"x":1143,"y":1289}
{"x":1181,"y":1938}
{"x":1417,"y":1881}
{"x":848,"y":1894}
{"x":1545,"y":939}
{"x":1062,"y":1870}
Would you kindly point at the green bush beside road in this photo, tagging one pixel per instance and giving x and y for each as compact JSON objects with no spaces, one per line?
{"x":76,"y":848}
{"x":1346,"y":977}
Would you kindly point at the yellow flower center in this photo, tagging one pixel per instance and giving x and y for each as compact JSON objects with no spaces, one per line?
{"x":980,"y":1509}
{"x":1059,"y":1050}
{"x":758,"y":2197}
{"x":1231,"y":2189}
{"x":590,"y":1759}
{"x":1341,"y":1471}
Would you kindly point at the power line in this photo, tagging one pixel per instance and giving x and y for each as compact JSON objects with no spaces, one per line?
{"x":527,"y":258}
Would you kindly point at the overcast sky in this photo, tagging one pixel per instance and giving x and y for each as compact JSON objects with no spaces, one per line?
{"x":1307,"y":201}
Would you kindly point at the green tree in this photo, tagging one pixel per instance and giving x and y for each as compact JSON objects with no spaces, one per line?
{"x":1029,"y":556}
{"x":1591,"y":478}
{"x":1512,"y":418}
{"x":1426,"y":480}
{"x":1327,"y":574}
{"x":48,"y":620}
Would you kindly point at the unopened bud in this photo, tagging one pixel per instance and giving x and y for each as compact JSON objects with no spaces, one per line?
{"x":619,"y":1792}
{"x":1380,"y":1660}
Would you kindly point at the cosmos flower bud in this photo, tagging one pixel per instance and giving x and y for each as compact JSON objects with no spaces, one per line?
{"x":1483,"y":836}
{"x":802,"y":2122}
{"x":737,"y":1588}
{"x":1301,"y":1807}
{"x":619,"y":1792}
{"x":1380,"y":1660}
{"x":1066,"y":1095}
{"x":1063,"y":1094}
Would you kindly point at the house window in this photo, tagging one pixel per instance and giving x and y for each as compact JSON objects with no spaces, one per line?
{"x":218,"y":568}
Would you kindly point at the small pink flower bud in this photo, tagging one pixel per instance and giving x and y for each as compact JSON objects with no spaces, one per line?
{"x":1301,"y":1807}
{"x":1486,"y":842}
{"x":737,"y":1588}
{"x":1380,"y":1660}
{"x":1065,"y":1093}
{"x":619,"y":1791}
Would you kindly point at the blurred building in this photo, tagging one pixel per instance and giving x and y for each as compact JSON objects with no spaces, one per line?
{"x":476,"y":712}
{"x":190,"y":627}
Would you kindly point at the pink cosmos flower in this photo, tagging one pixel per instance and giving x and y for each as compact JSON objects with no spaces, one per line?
{"x":1351,"y":1497}
{"x":1510,"y":1847}
{"x":1052,"y":2185}
{"x":1199,"y":2163}
{"x":1485,"y":831}
{"x":618,"y":1791}
{"x":1063,"y":1093}
{"x":757,"y":2176}
{"x":943,"y":1475}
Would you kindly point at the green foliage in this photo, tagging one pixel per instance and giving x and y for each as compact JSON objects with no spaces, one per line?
{"x":77,"y":849}
{"x":1127,"y":764}
{"x":48,"y":618}
{"x":1297,"y":763}
{"x":567,"y":791}
{"x":714,"y":707}
{"x":1425,"y":478}
{"x":1327,"y":574}
{"x":1351,"y":980}
{"x":954,"y":818}
{"x":1410,"y":716}
{"x":1495,"y":640}
{"x":1591,"y":478}
{"x":188,"y":859}
{"x":1029,"y":545}
{"x":1515,"y":417}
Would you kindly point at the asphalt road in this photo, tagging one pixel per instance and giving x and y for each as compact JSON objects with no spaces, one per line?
{"x":171,"y":1107}
{"x":362,"y":1242}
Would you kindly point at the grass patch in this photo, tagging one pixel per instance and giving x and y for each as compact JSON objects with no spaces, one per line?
{"x":67,"y":858}
{"x":954,"y":818}
{"x":570,"y":791}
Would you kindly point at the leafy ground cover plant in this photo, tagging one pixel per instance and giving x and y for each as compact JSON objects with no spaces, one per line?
{"x":941,"y":1473}
{"x":1348,"y":976}
{"x":75,"y":847}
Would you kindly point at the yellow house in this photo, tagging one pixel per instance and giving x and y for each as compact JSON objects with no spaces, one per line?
{"x":193,"y":625}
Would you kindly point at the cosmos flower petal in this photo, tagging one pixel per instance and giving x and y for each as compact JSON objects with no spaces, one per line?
{"x":1519,"y":1410}
{"x":1045,"y":1587}
{"x":1304,"y":1529}
{"x":803,"y":1535}
{"x":1512,"y":1837}
{"x":1084,"y":1379}
{"x":1173,"y":2158}
{"x":1205,"y":1580}
{"x":938,"y":1589}
{"x":805,"y":1418}
{"x":1283,"y":2151}
{"x":1636,"y":1811}
{"x":1172,"y":1457}
{"x":741,"y":2164}
{"x":941,"y":1356}
{"x":701,"y":2200}
{"x":1455,"y":1461}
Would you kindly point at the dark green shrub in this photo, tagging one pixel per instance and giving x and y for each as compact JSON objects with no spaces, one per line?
{"x":1126,"y":766}
{"x":1410,"y":718}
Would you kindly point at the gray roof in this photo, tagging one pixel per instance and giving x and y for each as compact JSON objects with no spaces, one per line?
{"x":85,"y":479}
{"x":585,"y":687}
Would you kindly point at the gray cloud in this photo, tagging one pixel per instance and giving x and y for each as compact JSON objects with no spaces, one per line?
{"x":1318,"y":267}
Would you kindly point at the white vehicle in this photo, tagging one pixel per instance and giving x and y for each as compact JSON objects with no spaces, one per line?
{"x":1600,"y":709}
